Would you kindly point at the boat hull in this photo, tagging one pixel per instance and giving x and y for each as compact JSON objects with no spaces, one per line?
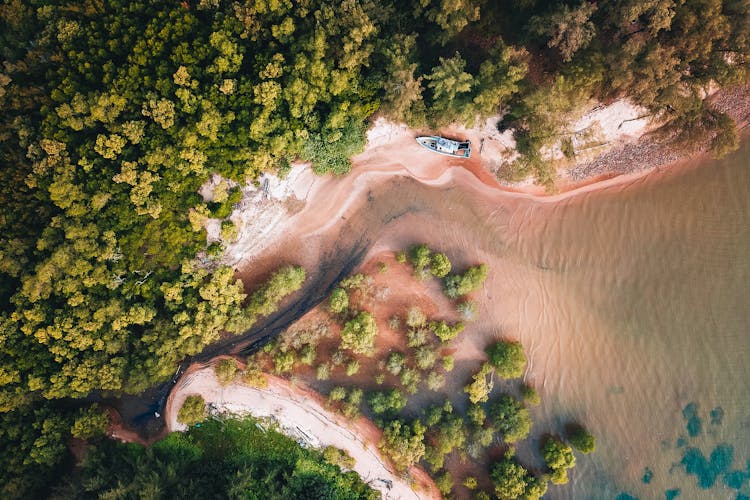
{"x":446,"y":147}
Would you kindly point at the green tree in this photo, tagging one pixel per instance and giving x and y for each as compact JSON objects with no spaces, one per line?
{"x":359,"y":333}
{"x":339,"y":301}
{"x":507,"y":358}
{"x":559,"y":458}
{"x":510,"y":418}
{"x":395,"y":362}
{"x":444,"y":331}
{"x":403,"y":443}
{"x":390,"y":402}
{"x":457,"y":285}
{"x":568,"y":29}
{"x":581,"y":439}
{"x":226,"y":371}
{"x":440,"y":265}
{"x":481,"y":386}
{"x":450,"y":86}
{"x":192,"y":411}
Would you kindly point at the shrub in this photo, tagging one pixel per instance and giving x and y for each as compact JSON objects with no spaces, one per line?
{"x":229,"y":231}
{"x":559,"y":458}
{"x":395,"y":362}
{"x":356,"y":281}
{"x":352,"y":367}
{"x":339,"y":357}
{"x":448,"y":363}
{"x":359,"y":333}
{"x":282,"y":282}
{"x":222,"y":209}
{"x":403,"y":444}
{"x":507,"y":358}
{"x":337,"y":394}
{"x":510,"y":418}
{"x":424,"y":358}
{"x":435,"y":381}
{"x":254,"y":378}
{"x":530,"y":395}
{"x":390,"y":402}
{"x":339,"y":300}
{"x":415,"y":318}
{"x":193,"y":410}
{"x":283,"y":361}
{"x":214,"y":249}
{"x":512,"y":480}
{"x":323,"y":371}
{"x":444,"y":483}
{"x":457,"y":285}
{"x":444,"y":331}
{"x":350,"y":408}
{"x":394,"y":323}
{"x":226,"y":371}
{"x":467,"y":309}
{"x":335,"y":456}
{"x":410,"y":379}
{"x":380,"y":379}
{"x":581,"y":439}
{"x":417,"y":337}
{"x":476,"y":414}
{"x":401,"y":257}
{"x":440,"y":265}
{"x":471,"y":482}
{"x":382,"y":267}
{"x":480,"y":387}
{"x":419,"y":255}
{"x":307,"y":355}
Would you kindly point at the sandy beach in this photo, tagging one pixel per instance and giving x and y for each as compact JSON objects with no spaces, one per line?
{"x":301,"y":414}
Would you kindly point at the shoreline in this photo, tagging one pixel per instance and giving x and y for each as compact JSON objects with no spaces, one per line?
{"x":284,"y":403}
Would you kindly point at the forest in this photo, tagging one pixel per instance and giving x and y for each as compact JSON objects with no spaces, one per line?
{"x":115,"y":112}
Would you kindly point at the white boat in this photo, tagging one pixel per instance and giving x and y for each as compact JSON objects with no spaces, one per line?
{"x":445,"y":146}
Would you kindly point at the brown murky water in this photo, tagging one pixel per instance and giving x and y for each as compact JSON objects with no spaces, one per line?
{"x":632,"y":302}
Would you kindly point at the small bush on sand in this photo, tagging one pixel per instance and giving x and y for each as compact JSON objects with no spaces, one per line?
{"x":193,"y":410}
{"x":226,"y":371}
{"x":254,"y":378}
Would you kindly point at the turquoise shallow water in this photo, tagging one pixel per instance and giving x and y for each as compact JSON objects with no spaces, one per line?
{"x":650,"y":297}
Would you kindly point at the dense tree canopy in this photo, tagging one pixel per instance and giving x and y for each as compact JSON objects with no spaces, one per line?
{"x":229,"y":459}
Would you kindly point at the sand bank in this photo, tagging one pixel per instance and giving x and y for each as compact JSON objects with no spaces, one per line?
{"x":300,"y":413}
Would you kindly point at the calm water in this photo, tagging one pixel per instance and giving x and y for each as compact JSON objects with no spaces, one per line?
{"x":646,"y":292}
{"x":633,"y":304}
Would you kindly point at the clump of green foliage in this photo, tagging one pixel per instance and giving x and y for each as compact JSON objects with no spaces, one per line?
{"x":559,"y":458}
{"x":359,"y":333}
{"x":507,"y":358}
{"x":192,"y":411}
{"x":481,"y":386}
{"x":403,"y":443}
{"x":512,"y":480}
{"x":510,"y":418}
{"x":226,"y":371}
{"x":581,"y":439}
{"x":339,"y":301}
{"x":457,"y":285}
{"x":271,"y":466}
